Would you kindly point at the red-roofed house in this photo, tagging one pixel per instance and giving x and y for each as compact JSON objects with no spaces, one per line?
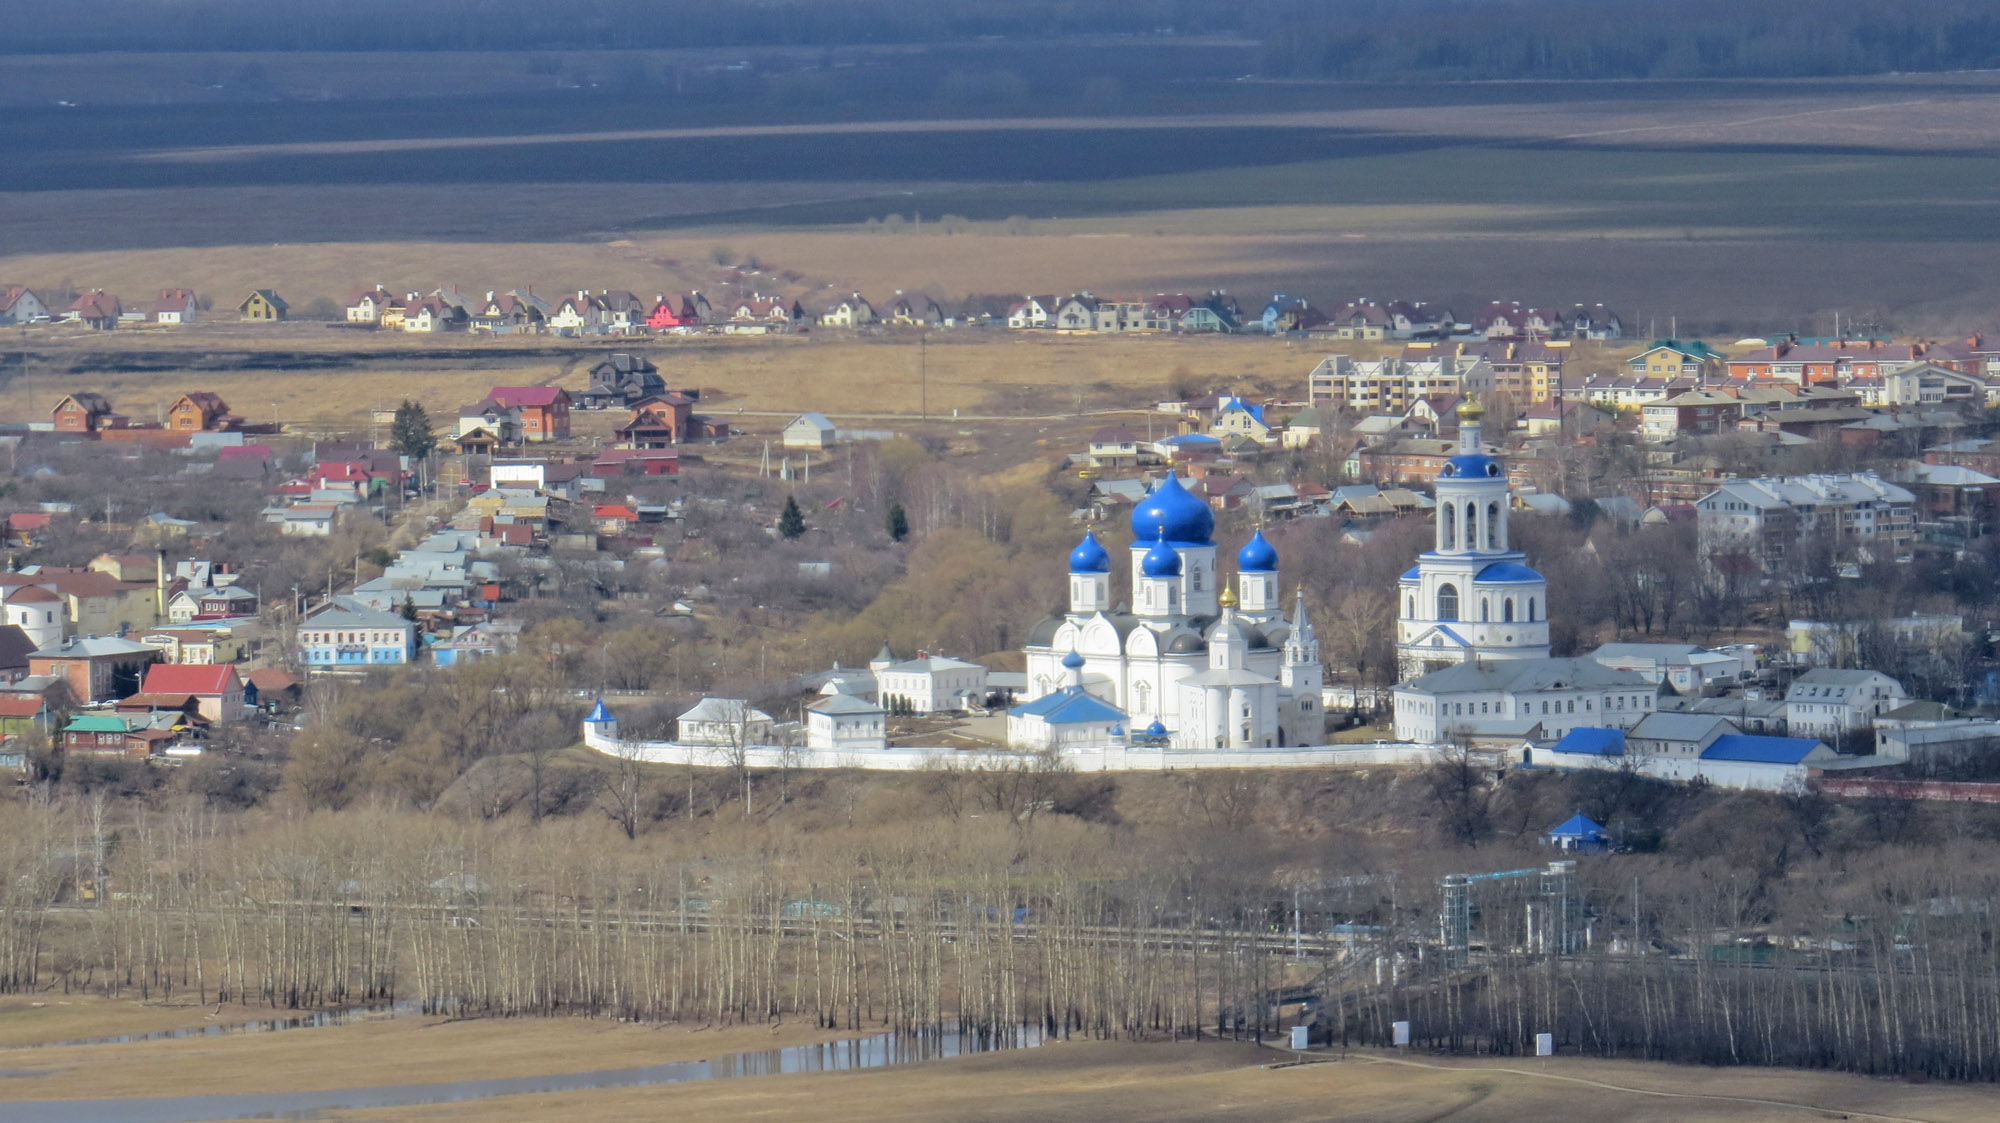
{"x":613,"y":462}
{"x":96,"y":310}
{"x":544,"y":410}
{"x":175,"y":306}
{"x":26,"y":528}
{"x":613,"y":518}
{"x":217,"y":688}
{"x":19,"y":305}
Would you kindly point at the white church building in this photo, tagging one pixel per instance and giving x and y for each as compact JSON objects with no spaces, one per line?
{"x":1472,"y":633}
{"x":1192,"y":662}
{"x":1470,"y":598}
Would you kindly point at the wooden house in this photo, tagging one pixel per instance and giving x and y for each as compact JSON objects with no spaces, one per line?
{"x":263,"y":306}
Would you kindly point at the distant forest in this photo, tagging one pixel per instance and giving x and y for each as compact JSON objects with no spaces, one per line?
{"x":1336,"y":39}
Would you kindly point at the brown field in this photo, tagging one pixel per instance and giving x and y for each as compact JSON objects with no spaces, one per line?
{"x":988,"y":373}
{"x":37,"y":1019}
{"x":1155,"y":1083}
{"x":1099,"y":1081}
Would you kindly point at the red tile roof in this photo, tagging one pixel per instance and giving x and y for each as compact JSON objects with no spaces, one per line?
{"x":20,"y":705}
{"x":189,"y":678}
{"x":271,"y":678}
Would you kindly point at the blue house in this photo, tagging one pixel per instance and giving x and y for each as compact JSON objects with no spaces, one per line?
{"x":348,"y":634}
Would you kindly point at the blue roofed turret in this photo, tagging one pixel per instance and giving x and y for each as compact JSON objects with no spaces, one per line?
{"x":1175,"y":513}
{"x":1257,"y":556}
{"x":599,"y":714}
{"x":1161,"y":560}
{"x":1089,"y":556}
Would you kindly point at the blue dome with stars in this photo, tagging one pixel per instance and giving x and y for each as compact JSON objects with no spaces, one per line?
{"x":1089,"y":557}
{"x":1161,"y":560}
{"x":1257,"y":556}
{"x":1175,"y":512}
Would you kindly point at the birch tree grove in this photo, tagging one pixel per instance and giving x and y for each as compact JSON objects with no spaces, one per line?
{"x":995,"y":922}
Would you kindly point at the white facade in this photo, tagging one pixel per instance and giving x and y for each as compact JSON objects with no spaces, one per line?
{"x":1471,"y":597}
{"x":1519,"y":698}
{"x":1826,"y":703}
{"x":37,"y":612}
{"x":1395,"y":384}
{"x":1768,"y":516}
{"x":931,"y":684}
{"x":843,"y":722}
{"x":1144,"y":662}
{"x":724,"y":723}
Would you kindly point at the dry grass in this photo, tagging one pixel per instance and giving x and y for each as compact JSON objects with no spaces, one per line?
{"x":1111,"y":1083}
{"x":987,"y":372}
{"x":37,"y":1019}
{"x":407,"y":1050}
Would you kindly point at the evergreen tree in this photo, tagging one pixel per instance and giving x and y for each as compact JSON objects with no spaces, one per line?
{"x":411,"y":433}
{"x":792,"y":522}
{"x":409,"y":607}
{"x":899,"y":523}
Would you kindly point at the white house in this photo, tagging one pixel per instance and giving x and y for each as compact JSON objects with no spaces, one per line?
{"x":845,"y":721}
{"x":847,"y":312}
{"x":810,"y":430}
{"x":1501,"y":698}
{"x":20,"y":305}
{"x":1688,"y":668}
{"x":37,"y":611}
{"x":931,"y":684}
{"x":726,"y":723}
{"x":1825,"y":702}
{"x":518,"y":475}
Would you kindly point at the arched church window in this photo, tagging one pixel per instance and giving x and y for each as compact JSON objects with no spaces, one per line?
{"x":1447,"y":601}
{"x":1493,"y":526}
{"x":1485,"y":609}
{"x":1472,"y":526}
{"x":1409,"y":606}
{"x":1195,"y":572}
{"x":1142,"y":694}
{"x":1531,"y":610}
{"x":1507,"y":611}
{"x":1450,"y":516}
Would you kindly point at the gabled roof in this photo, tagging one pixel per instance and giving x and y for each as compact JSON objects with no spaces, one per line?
{"x":512,"y":396}
{"x":844,"y":704}
{"x":190,"y":678}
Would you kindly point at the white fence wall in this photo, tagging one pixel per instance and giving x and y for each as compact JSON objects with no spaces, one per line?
{"x":1113,"y":759}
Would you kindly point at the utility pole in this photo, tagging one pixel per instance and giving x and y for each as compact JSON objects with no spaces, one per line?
{"x":923,"y":373}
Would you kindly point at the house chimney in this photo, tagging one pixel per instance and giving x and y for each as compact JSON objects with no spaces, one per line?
{"x":489,"y":296}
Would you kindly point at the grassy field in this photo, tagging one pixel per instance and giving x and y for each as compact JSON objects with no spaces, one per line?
{"x":1727,"y":206}
{"x":987,"y":373}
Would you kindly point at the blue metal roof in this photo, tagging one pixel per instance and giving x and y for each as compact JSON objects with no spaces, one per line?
{"x":1500,"y":572}
{"x":1070,"y":706}
{"x":1578,"y":825}
{"x":1471,"y":466}
{"x":600,"y":714}
{"x":1173,"y":513}
{"x":1161,"y":560}
{"x":1753,"y":749}
{"x":1591,"y":741}
{"x":1413,"y":573}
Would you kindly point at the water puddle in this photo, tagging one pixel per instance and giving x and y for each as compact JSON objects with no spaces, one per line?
{"x":879,"y":1051}
{"x":316,"y":1020}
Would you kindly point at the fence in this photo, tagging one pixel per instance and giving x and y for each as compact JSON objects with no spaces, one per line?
{"x":911,"y":759}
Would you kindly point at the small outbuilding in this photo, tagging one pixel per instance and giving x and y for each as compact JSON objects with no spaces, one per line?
{"x":810,"y":430}
{"x":1580,"y":833}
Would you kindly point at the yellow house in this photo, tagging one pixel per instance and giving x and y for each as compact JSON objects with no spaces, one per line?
{"x":263,"y":306}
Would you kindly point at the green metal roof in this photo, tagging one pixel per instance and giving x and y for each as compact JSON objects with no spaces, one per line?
{"x":96,"y":723}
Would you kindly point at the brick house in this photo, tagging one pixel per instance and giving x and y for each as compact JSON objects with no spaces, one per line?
{"x":96,"y":668}
{"x":82,"y":412}
{"x":200,"y":411}
{"x":544,"y":410}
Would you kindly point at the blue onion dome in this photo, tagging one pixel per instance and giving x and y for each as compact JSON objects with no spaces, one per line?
{"x":1257,"y":556}
{"x":1118,"y":731}
{"x":1161,"y":560}
{"x":1175,"y":510}
{"x":1072,"y":661}
{"x":1089,"y":557}
{"x":1156,"y":729}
